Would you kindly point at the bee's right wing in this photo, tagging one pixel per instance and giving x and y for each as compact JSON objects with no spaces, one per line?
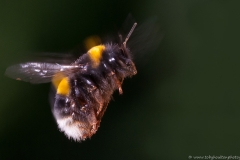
{"x":38,"y":72}
{"x":144,"y":40}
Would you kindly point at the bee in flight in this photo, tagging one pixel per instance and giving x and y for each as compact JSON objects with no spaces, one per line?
{"x":83,"y":88}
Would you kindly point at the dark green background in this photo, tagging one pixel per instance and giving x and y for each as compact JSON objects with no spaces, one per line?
{"x":185,"y":101}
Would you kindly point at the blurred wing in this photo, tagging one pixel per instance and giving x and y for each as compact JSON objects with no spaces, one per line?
{"x":37,"y":72}
{"x":127,"y":25}
{"x":50,"y":57}
{"x":144,"y":40}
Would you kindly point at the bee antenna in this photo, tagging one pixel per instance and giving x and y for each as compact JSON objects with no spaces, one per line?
{"x":129,"y":34}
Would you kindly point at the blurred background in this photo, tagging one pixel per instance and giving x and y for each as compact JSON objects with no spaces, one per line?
{"x":184,"y":101}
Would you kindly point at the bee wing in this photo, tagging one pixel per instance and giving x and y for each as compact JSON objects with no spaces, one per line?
{"x":144,"y":40}
{"x":37,"y":72}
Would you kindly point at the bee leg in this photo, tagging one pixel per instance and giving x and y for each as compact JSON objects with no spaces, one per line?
{"x":118,"y":82}
{"x":94,"y":128}
{"x":100,"y":101}
{"x":120,"y":90}
{"x":100,"y":107}
{"x":93,"y":122}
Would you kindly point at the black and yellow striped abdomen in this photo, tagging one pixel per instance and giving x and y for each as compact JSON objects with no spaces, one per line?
{"x":82,"y":97}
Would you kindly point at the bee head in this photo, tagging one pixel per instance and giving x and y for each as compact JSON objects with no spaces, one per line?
{"x":125,"y":53}
{"x":126,"y":61}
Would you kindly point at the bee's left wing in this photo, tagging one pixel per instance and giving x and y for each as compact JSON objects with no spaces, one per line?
{"x":38,"y":72}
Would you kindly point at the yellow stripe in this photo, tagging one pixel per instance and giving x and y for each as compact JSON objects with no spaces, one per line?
{"x":95,"y":54}
{"x":63,"y":87}
{"x":61,"y":84}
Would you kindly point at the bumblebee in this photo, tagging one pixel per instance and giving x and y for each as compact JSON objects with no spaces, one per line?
{"x":84,"y":88}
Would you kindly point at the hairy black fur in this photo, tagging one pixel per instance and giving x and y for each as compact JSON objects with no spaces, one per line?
{"x":92,"y":88}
